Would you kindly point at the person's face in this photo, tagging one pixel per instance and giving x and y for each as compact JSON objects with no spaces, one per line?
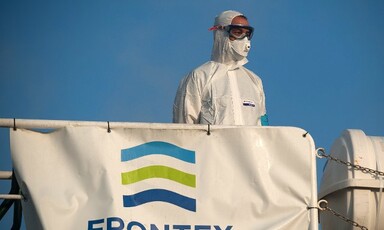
{"x":239,"y":31}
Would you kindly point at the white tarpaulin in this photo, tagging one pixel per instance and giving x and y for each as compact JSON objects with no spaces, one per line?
{"x":159,"y":177}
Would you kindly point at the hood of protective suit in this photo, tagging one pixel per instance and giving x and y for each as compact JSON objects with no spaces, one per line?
{"x":222,"y":51}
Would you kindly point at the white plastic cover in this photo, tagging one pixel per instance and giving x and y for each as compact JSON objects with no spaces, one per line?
{"x":353,"y":193}
{"x":355,"y":147}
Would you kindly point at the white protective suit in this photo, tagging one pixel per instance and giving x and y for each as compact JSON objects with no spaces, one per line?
{"x":221,"y":91}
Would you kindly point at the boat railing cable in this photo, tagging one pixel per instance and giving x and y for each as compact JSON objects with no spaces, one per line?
{"x":323,"y":206}
{"x":320,"y":152}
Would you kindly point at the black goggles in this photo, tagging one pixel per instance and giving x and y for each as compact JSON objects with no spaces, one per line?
{"x":239,"y":31}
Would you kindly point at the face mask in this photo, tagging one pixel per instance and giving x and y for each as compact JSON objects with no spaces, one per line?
{"x":240,"y":47}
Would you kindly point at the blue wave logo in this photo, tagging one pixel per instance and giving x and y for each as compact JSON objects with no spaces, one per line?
{"x":159,"y":171}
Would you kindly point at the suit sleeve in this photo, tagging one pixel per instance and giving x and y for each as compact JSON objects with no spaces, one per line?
{"x":187,"y":103}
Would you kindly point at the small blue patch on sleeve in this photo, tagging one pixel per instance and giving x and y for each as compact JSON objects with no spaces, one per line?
{"x":264,"y":120}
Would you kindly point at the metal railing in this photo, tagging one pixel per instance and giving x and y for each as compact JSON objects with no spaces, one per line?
{"x":13,"y":198}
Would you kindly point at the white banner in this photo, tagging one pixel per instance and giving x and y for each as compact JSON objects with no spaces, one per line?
{"x":159,"y":177}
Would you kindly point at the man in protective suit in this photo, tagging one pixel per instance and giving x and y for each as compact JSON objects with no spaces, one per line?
{"x":222,"y":91}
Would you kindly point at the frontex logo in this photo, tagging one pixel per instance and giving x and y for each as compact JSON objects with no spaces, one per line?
{"x":158,"y":171}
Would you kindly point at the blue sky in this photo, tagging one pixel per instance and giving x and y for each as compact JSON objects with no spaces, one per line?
{"x":321,"y":62}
